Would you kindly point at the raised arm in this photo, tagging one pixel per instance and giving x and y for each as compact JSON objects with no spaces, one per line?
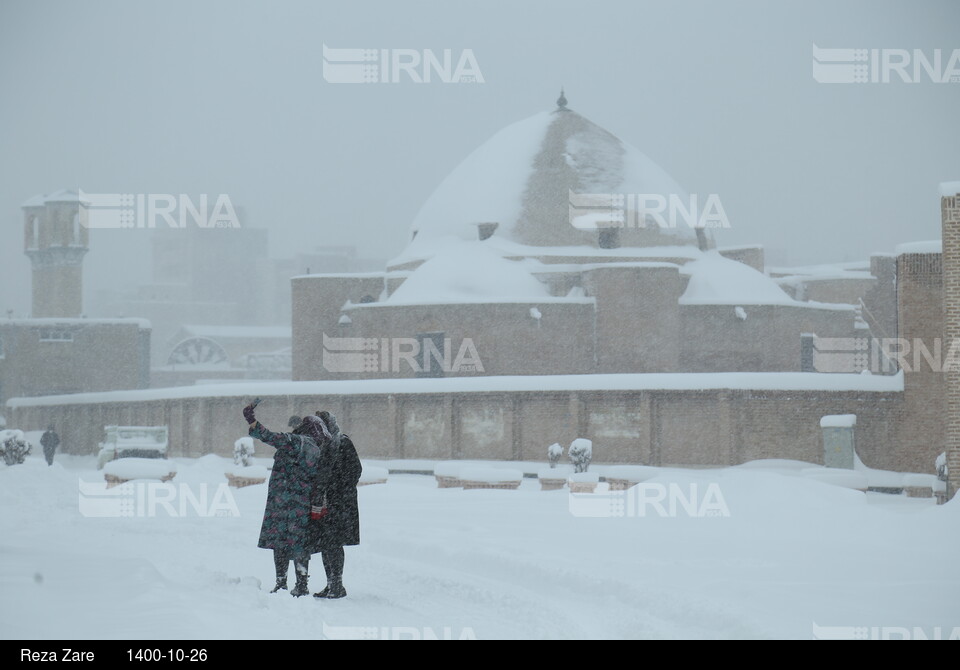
{"x":288,"y":441}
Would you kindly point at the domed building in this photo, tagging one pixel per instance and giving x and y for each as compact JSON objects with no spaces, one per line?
{"x":556,"y":248}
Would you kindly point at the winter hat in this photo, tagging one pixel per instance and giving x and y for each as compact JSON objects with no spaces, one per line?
{"x":331,"y":422}
{"x":313,"y":427}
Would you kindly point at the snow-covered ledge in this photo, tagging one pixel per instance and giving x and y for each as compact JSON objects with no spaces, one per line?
{"x":124,"y":470}
{"x":554,"y":479}
{"x":583,"y":482}
{"x":448,"y":475}
{"x":239,"y":476}
{"x":490,"y":478}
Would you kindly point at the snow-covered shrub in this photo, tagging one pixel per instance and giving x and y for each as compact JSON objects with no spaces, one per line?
{"x":580,"y":453}
{"x":243,"y":452}
{"x":14,"y":446}
{"x":554,"y":454}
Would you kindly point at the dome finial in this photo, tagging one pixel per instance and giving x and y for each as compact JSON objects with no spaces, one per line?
{"x":562,"y":102}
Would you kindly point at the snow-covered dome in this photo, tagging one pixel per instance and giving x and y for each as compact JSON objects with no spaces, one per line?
{"x":522,"y":179}
{"x":715,"y":280}
{"x":468,"y":272}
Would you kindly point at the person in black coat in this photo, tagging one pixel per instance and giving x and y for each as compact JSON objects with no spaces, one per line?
{"x":49,"y":441}
{"x":335,"y":517}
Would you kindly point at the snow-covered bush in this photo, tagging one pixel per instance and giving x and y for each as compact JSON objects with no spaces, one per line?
{"x":14,"y":446}
{"x":580,"y":453}
{"x":554,"y":454}
{"x":243,"y":452}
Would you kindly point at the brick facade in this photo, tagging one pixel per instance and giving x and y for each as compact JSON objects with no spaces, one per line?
{"x":920,"y":316}
{"x":656,"y":427}
{"x":950,"y":217}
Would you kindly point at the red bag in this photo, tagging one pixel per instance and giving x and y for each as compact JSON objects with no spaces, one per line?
{"x":317,"y":513}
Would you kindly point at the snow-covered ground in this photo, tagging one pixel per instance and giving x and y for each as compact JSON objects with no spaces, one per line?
{"x":793,"y":554}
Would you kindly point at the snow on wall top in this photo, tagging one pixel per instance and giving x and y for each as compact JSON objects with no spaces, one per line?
{"x":78,"y":321}
{"x":926,"y":247}
{"x":227,"y":332}
{"x":243,"y":391}
{"x":822,"y":270}
{"x":839,"y":421}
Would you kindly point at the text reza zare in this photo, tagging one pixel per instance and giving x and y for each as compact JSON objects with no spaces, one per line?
{"x":65,"y":655}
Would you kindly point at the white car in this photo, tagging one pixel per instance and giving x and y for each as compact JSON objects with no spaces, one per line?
{"x":133,"y":442}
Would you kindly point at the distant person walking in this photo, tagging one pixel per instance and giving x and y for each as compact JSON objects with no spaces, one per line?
{"x":49,"y":441}
{"x":336,"y":514}
{"x":287,"y":513}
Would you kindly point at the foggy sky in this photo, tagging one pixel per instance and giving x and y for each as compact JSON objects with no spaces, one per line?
{"x":228,"y":97}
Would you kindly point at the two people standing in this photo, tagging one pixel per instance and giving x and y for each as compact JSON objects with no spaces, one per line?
{"x":311,"y":500}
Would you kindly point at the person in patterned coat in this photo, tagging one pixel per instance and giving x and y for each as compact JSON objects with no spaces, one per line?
{"x":286,"y":517}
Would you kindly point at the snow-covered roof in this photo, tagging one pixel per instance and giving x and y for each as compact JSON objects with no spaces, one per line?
{"x":794,"y":280}
{"x":926,"y":247}
{"x":821,"y":270}
{"x":344,"y":275}
{"x":63,"y":195}
{"x":754,"y":381}
{"x":431,"y":247}
{"x":77,"y":321}
{"x":239,"y":332}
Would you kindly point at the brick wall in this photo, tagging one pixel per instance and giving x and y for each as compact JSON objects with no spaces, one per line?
{"x":950,"y":217}
{"x":920,"y":318}
{"x":658,"y":427}
{"x":98,"y":357}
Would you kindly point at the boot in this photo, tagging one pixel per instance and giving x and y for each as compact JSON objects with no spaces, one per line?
{"x":335,"y":589}
{"x":301,"y":588}
{"x":281,"y":562}
{"x":301,"y":566}
{"x":328,"y":570}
